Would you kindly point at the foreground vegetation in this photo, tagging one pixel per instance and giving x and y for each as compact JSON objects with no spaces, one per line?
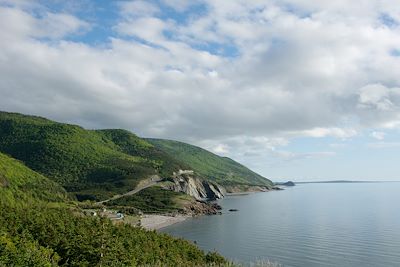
{"x":39,"y":226}
{"x":41,"y":235}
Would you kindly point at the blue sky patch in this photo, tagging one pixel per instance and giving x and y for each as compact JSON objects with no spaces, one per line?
{"x":388,"y":20}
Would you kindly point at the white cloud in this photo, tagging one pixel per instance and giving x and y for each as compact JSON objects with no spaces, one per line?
{"x":291,"y":156}
{"x":16,"y":24}
{"x":375,"y":96}
{"x":138,"y":8}
{"x":242,"y":146}
{"x":180,"y":5}
{"x":19,"y":3}
{"x":342,"y":133}
{"x":220,"y":149}
{"x":147,"y":28}
{"x":59,"y":25}
{"x":379,"y":106}
{"x":378,"y":135}
{"x":296,"y":70}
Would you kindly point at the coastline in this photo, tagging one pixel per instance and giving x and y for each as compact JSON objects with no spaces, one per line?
{"x":239,"y":194}
{"x":156,"y":222}
{"x":253,"y":191}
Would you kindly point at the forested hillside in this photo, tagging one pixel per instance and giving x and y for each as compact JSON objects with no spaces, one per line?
{"x":224,"y":171}
{"x":45,"y":166}
{"x":39,"y":226}
{"x":98,"y":164}
{"x":90,"y":164}
{"x":19,"y":184}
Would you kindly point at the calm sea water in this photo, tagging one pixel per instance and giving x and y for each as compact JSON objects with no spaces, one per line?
{"x":307,"y":225}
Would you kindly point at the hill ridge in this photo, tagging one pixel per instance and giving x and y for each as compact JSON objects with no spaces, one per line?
{"x":222,"y":170}
{"x":97,"y":164}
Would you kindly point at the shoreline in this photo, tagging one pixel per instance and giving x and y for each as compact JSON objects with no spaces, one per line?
{"x":156,"y":222}
{"x":243,"y":193}
{"x":239,"y":194}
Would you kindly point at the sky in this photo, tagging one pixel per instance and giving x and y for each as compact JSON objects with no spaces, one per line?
{"x":294,"y":89}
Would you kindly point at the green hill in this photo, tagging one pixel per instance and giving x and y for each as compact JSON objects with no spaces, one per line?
{"x":39,"y":226}
{"x":98,"y":164}
{"x":19,"y":183}
{"x":222,"y":170}
{"x":91,"y":164}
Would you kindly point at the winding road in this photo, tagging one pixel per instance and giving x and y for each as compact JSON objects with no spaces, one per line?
{"x":142,"y":185}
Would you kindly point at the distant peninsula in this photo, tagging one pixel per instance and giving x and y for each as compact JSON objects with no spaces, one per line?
{"x":289,"y":183}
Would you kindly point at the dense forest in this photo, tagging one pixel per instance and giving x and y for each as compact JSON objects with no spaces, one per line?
{"x":90,"y":164}
{"x":97,"y":164}
{"x":48,"y":168}
{"x":40,"y":226}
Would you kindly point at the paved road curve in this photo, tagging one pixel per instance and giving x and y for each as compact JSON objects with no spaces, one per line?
{"x":142,"y":185}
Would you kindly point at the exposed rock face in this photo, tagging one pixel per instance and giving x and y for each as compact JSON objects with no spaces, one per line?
{"x":187,"y":182}
{"x":200,"y":208}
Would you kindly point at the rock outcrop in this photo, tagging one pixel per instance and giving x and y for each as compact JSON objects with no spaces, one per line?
{"x":187,"y":182}
{"x":198,"y":207}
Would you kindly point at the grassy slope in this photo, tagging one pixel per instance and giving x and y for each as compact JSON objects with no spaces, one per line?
{"x":38,"y":229}
{"x":19,"y":184}
{"x":92,"y":164}
{"x":152,"y":200}
{"x":224,"y":171}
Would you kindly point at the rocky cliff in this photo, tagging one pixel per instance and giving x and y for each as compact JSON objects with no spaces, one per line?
{"x":187,"y":182}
